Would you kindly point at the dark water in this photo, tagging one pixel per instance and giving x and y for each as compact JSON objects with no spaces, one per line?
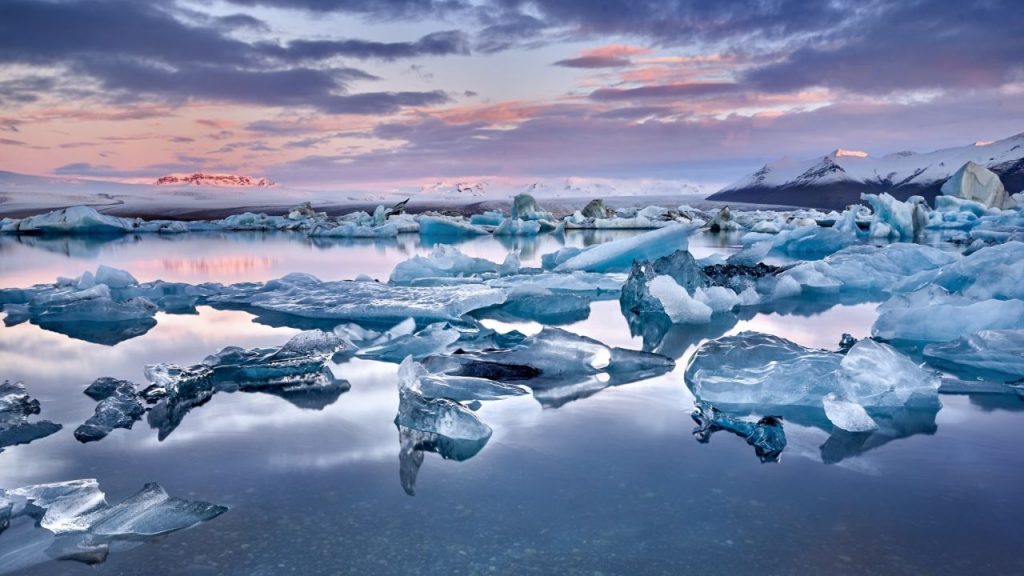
{"x":611,"y":484}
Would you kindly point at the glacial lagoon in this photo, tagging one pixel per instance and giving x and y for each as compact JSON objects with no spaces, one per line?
{"x":606,"y":478}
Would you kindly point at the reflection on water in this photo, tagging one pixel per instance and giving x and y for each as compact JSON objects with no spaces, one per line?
{"x":611,"y":481}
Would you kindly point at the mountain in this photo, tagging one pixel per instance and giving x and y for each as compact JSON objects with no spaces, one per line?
{"x":215,"y":180}
{"x":838,"y":179}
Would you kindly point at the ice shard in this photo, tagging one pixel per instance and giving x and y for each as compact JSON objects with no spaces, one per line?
{"x":448,"y":262}
{"x":999,"y":352}
{"x":296,"y":372}
{"x":431,"y":424}
{"x":78,"y":524}
{"x":119,"y":406}
{"x":619,"y":255}
{"x":765,"y":434}
{"x":16,"y":407}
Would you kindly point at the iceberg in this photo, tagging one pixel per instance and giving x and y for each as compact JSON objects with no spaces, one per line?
{"x":765,"y":435}
{"x":118,"y":406}
{"x":866,"y":268}
{"x":76,"y":220}
{"x":988,"y":351}
{"x":296,"y":372}
{"x":895,"y":219}
{"x":934,"y":315}
{"x":762,"y":370}
{"x":432,"y":424}
{"x":448,"y":262}
{"x":513,"y":227}
{"x":977,"y":183}
{"x":350,"y":230}
{"x":445,"y":226}
{"x":619,"y":255}
{"x":524,"y":207}
{"x":305,"y":296}
{"x":435,"y":338}
{"x":78,"y":523}
{"x":413,"y":376}
{"x":723,"y":221}
{"x":16,"y":407}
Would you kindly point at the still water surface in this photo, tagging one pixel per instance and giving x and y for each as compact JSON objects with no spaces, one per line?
{"x":610,"y":484}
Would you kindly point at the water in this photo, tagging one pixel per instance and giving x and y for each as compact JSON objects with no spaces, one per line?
{"x":610,"y":484}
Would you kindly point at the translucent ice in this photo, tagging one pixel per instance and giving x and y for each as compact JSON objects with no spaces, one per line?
{"x":16,"y":407}
{"x":867,"y":268}
{"x":513,"y":227}
{"x":990,"y":351}
{"x":308,"y":297}
{"x":446,"y":226}
{"x":78,"y":513}
{"x":448,"y":262}
{"x":678,"y":305}
{"x":934,"y":315}
{"x":118,"y":407}
{"x":755,"y":369}
{"x":297,"y":372}
{"x":77,"y":220}
{"x":413,"y":376}
{"x":620,"y":254}
{"x":895,"y":219}
{"x":435,"y":338}
{"x":765,"y":435}
{"x":847,"y":415}
{"x":439,"y":416}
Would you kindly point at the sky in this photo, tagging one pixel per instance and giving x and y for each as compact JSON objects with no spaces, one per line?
{"x":366,"y":92}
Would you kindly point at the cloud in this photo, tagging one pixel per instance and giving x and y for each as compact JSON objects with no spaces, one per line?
{"x":386,"y":9}
{"x":435,"y":44}
{"x":610,"y":56}
{"x":682,"y":90}
{"x":909,"y":46}
{"x":134,"y":50}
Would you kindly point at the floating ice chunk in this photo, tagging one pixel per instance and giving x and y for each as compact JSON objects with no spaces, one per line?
{"x":435,"y":415}
{"x":80,"y":507}
{"x":574,"y":283}
{"x":76,"y":220}
{"x":991,"y":272}
{"x":551,"y":352}
{"x":119,"y":407}
{"x":445,"y":226}
{"x":307,"y":297}
{"x":350,"y":230}
{"x":754,"y":369}
{"x":765,"y":435}
{"x":489,"y":218}
{"x":151,"y":512}
{"x":895,"y":219}
{"x":993,"y":351}
{"x":806,"y":241}
{"x":433,"y":339}
{"x":680,"y":307}
{"x":619,"y":255}
{"x":448,"y":262}
{"x":847,"y":415}
{"x":297,"y":372}
{"x":413,"y":376}
{"x":934,"y":315}
{"x":723,"y":221}
{"x":16,"y":407}
{"x":867,"y":268}
{"x":513,"y":227}
{"x":114,"y":278}
{"x":524,"y":207}
{"x":977,"y":183}
{"x":596,"y":209}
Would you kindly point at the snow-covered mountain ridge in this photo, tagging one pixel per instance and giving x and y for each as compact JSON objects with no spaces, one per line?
{"x":838,"y":179}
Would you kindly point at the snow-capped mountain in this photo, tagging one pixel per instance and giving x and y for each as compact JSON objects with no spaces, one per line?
{"x":839,"y":178}
{"x":445,"y":188}
{"x":218,"y":180}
